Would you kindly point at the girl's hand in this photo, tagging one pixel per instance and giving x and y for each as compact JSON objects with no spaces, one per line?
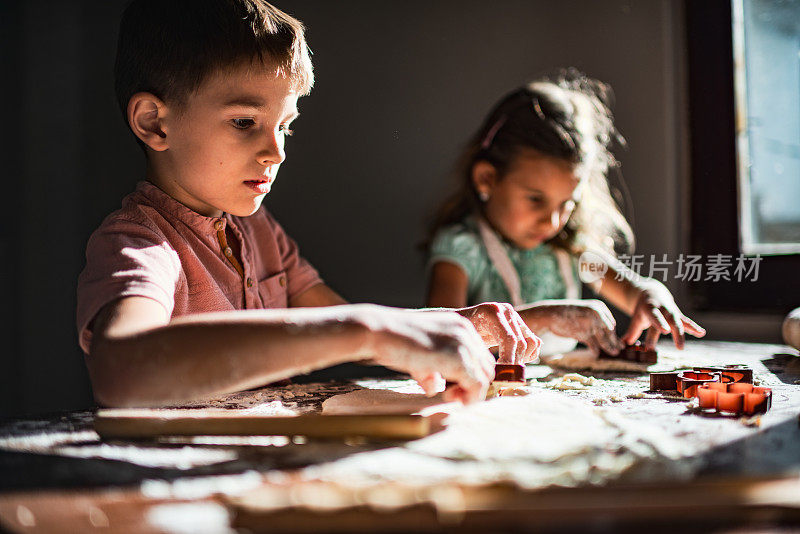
{"x":499,"y":325}
{"x":588,"y":321}
{"x":432,"y":347}
{"x":656,"y":312}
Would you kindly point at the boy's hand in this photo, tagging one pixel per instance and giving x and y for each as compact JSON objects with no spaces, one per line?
{"x":588,"y":321}
{"x":432,"y":347}
{"x":656,"y":312}
{"x":499,"y":325}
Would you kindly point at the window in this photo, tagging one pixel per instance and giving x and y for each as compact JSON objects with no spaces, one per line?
{"x":766,"y":48}
{"x":755,"y":212}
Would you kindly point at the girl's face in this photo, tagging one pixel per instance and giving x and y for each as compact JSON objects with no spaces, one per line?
{"x":532,"y":202}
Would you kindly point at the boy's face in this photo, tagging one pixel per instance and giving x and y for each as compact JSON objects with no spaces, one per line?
{"x":226,"y":143}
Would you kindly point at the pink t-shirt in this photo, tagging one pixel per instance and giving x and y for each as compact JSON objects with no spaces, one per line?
{"x":158,"y":248}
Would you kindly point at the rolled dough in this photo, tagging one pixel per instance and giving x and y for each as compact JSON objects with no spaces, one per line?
{"x":571,"y":381}
{"x":384,"y":401}
{"x":585,"y":359}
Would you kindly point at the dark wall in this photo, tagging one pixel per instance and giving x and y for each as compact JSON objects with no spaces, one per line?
{"x":400,"y":86}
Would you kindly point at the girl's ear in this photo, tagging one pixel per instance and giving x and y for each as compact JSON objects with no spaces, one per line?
{"x":484,"y":178}
{"x":146,"y":113}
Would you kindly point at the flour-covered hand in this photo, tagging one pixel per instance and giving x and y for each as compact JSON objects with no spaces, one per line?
{"x":499,"y":325}
{"x":432,"y":347}
{"x":656,"y":312}
{"x":587,"y":321}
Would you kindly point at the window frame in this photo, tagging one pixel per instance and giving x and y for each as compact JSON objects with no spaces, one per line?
{"x":714,"y":182}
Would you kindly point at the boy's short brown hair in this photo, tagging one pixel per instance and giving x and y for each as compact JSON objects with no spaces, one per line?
{"x":169,"y":47}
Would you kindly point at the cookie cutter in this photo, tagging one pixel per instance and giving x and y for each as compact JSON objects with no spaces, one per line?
{"x":687,"y":382}
{"x":725,"y":389}
{"x":684,"y":379}
{"x":506,"y":376}
{"x":633,"y":353}
{"x":737,"y":398}
{"x":730,"y":373}
{"x":681,"y":381}
{"x":509,"y":372}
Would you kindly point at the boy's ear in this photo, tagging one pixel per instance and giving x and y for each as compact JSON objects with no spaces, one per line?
{"x":484,"y":178}
{"x":146,"y":118}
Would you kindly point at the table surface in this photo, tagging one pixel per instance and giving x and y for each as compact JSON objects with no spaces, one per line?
{"x":56,"y":473}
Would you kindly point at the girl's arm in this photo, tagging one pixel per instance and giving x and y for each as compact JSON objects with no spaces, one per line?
{"x":138,"y":357}
{"x":586,"y":320}
{"x":448,"y":286}
{"x":650,"y":305}
{"x":498,"y":323}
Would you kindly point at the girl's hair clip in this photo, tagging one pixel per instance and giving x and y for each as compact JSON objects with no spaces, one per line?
{"x":492,"y":133}
{"x":537,"y":108}
{"x":487,"y":141}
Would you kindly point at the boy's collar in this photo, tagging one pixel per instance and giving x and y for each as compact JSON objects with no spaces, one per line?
{"x":180,"y":211}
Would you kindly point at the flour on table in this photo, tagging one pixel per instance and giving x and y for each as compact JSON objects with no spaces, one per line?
{"x":501,"y":388}
{"x":514,"y":391}
{"x":384,"y":401}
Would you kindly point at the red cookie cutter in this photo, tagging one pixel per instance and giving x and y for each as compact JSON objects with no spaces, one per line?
{"x":689,"y":381}
{"x":734,"y":398}
{"x":684,"y":382}
{"x":724,"y":389}
{"x":730,"y":373}
{"x":672,"y":381}
{"x":509,"y":372}
{"x":633,"y":353}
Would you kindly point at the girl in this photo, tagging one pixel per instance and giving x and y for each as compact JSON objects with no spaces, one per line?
{"x":533,"y":199}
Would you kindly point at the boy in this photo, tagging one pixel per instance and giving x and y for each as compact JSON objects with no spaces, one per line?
{"x":174,"y":301}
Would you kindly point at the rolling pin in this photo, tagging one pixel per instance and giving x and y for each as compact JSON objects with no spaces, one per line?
{"x":151,"y":423}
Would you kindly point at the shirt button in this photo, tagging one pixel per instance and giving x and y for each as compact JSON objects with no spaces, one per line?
{"x":249,"y":282}
{"x":228,"y":251}
{"x":219,"y":225}
{"x":282,"y":281}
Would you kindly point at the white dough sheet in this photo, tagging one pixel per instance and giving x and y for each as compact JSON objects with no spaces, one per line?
{"x":538,"y":440}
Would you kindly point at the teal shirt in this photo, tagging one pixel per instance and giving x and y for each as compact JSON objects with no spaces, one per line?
{"x":539,"y":273}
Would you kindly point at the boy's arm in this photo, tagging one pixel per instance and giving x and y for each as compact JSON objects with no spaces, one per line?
{"x":139,"y":358}
{"x":497,"y":324}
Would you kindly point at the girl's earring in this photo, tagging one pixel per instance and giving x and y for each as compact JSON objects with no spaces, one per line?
{"x":483,"y":195}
